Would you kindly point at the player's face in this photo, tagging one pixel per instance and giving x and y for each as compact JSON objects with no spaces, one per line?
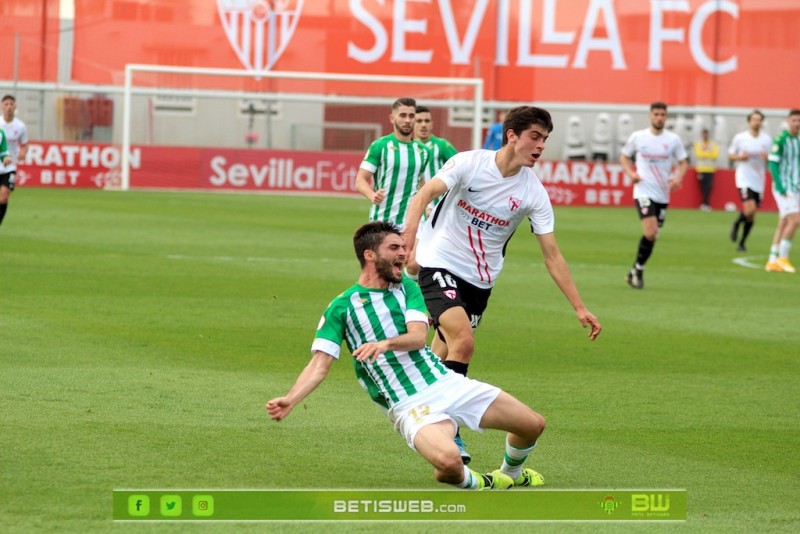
{"x":755,"y":122}
{"x":529,"y":145}
{"x":658,"y":118}
{"x":794,"y":124}
{"x":390,"y":258}
{"x":9,"y":107}
{"x":403,"y":120}
{"x":423,"y":126}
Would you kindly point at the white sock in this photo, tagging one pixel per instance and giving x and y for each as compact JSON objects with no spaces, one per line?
{"x":513,"y":460}
{"x":785,"y":247}
{"x":471,"y":480}
{"x":773,"y":254}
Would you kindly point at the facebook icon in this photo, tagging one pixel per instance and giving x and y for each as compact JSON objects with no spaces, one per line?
{"x":138,"y":505}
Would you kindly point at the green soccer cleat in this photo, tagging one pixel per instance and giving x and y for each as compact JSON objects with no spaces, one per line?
{"x":498,"y":480}
{"x":529,"y":477}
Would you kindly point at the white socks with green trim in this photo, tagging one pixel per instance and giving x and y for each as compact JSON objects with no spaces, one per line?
{"x":513,"y":460}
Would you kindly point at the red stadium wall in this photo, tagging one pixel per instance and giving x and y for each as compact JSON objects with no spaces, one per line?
{"x":84,"y":165}
{"x":686,"y":52}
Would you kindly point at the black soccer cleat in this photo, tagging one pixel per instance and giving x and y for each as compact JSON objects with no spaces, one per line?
{"x":741,"y":248}
{"x":635,"y":279}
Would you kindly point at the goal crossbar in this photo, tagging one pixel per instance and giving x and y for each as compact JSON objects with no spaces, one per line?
{"x":130,"y":69}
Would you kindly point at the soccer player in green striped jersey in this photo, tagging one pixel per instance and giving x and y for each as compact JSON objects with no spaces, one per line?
{"x":393,"y":168}
{"x":441,"y":151}
{"x":784,"y":165}
{"x":383,"y":321}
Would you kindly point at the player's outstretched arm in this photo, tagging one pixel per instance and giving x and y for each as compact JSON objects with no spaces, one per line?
{"x":559,"y":271}
{"x":435,"y":187}
{"x":312,"y":376}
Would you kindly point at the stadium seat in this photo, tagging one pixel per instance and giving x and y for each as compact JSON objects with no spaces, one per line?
{"x":575,"y":143}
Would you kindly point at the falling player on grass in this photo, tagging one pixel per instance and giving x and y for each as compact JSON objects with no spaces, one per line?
{"x":383,"y":320}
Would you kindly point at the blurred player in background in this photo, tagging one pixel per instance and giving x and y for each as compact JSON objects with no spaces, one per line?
{"x":384,"y":322}
{"x":441,"y":151}
{"x":784,"y":165}
{"x":706,"y":151}
{"x":16,"y":139}
{"x":655,"y":150}
{"x":394,"y":166}
{"x":494,"y":136}
{"x":461,"y":250}
{"x":749,"y":150}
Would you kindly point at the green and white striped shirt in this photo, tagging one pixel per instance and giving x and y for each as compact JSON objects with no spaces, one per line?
{"x":361,"y":315}
{"x":397,"y":167}
{"x":441,"y":151}
{"x":784,"y":163}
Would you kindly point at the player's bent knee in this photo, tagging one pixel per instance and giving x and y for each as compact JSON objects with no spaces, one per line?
{"x":449,"y":468}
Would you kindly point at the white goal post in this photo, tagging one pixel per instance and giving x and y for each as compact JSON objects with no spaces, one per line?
{"x":476,"y":85}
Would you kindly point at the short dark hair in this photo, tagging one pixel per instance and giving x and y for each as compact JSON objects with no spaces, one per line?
{"x":795,"y":111}
{"x":755,"y":112}
{"x":8,"y":97}
{"x":370,"y":236}
{"x":658,"y":105}
{"x":405,"y":101}
{"x":422,"y":109}
{"x":521,"y":118}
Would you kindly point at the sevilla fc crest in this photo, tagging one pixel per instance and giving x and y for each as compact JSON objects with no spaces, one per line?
{"x":513,"y":203}
{"x":259,"y":30}
{"x":450,"y":293}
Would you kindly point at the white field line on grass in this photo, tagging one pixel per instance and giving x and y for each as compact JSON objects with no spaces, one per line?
{"x":747,"y":262}
{"x":252,"y":259}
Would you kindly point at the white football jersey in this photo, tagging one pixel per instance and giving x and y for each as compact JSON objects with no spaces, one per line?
{"x":468,"y":231}
{"x":751,"y":173}
{"x":655,"y":156}
{"x":16,"y":135}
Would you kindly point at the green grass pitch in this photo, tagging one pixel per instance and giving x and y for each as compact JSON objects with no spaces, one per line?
{"x":141,"y":334}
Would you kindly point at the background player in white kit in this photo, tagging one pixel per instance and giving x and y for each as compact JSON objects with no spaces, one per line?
{"x":655,"y":150}
{"x":16,"y":134}
{"x":749,"y":149}
{"x":488,"y":194}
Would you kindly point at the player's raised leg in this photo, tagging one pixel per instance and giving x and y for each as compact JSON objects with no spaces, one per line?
{"x":524,"y":426}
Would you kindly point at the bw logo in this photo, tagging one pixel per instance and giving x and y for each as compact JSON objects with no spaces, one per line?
{"x":259,"y":30}
{"x":654,"y":502}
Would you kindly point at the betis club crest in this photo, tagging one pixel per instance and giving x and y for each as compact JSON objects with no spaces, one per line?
{"x":259,"y":30}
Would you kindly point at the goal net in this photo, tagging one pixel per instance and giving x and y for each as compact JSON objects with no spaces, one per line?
{"x":202,"y":128}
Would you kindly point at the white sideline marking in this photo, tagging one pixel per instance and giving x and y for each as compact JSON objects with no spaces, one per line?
{"x":745,"y":262}
{"x":247,"y":259}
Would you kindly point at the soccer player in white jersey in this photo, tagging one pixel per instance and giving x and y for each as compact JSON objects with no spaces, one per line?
{"x":394,"y":166}
{"x":656,"y":151}
{"x":749,"y":150}
{"x":383,"y":321}
{"x":487,"y":195}
{"x":16,"y":138}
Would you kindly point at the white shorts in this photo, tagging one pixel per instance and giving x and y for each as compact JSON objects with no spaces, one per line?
{"x":787,"y":204}
{"x":451,"y":398}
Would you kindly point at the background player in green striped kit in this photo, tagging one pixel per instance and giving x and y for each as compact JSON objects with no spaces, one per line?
{"x":394,"y":166}
{"x":383,"y":320}
{"x":784,"y":165}
{"x":441,"y":150}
